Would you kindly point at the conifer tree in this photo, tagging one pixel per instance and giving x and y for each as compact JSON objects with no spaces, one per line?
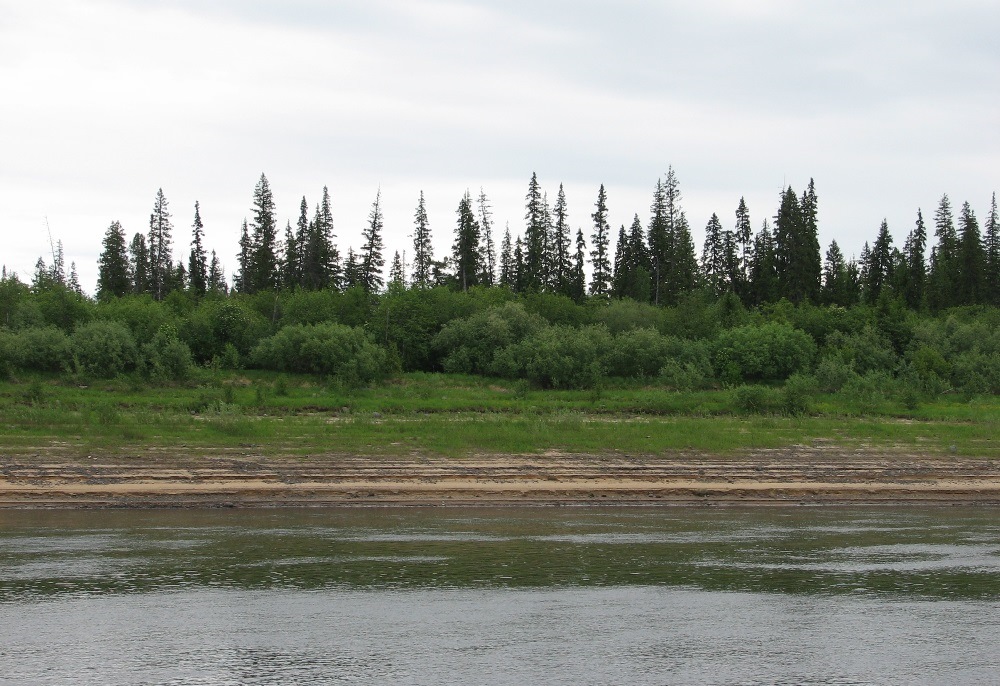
{"x":58,"y":271}
{"x":73,"y":280}
{"x":300,"y":241}
{"x":139,"y":264}
{"x":744,"y":237}
{"x":549,"y":265}
{"x":971,"y":261}
{"x":878,"y":271}
{"x":914,"y":260}
{"x":520,"y":273}
{"x":372,"y":261}
{"x":660,"y":245}
{"x":112,"y":264}
{"x":836,"y":287}
{"x":197,"y":272}
{"x":796,"y":246}
{"x":620,"y":266}
{"x":466,"y":251}
{"x":242,"y":278}
{"x":397,"y":272}
{"x":159,"y":246}
{"x":942,"y":278}
{"x":599,"y":259}
{"x":291,"y":273}
{"x":488,"y":259}
{"x":578,"y":281}
{"x":264,"y":270}
{"x":327,"y":257}
{"x":713,"y":254}
{"x":992,"y":250}
{"x":216,"y":276}
{"x":423,"y":252}
{"x":763,"y":270}
{"x":353,"y":275}
{"x":508,"y":274}
{"x":563,"y":267}
{"x":534,"y":237}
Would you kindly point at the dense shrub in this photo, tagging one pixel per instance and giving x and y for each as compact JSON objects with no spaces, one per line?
{"x":140,"y":313}
{"x":104,"y":349}
{"x":45,"y":349}
{"x":166,"y":357}
{"x":557,"y":357}
{"x":833,"y":373}
{"x":410,"y":320}
{"x":470,"y":345}
{"x":220,"y":325}
{"x":756,"y":399}
{"x":329,"y":349}
{"x":637,"y":353}
{"x":766,"y":352}
{"x":867,"y":350}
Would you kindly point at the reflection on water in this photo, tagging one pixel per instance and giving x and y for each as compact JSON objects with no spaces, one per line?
{"x":501,"y":596}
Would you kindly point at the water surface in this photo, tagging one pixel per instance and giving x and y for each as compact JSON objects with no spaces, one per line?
{"x":501,"y":596}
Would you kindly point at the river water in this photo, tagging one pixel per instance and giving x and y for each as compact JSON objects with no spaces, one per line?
{"x":821,"y":595}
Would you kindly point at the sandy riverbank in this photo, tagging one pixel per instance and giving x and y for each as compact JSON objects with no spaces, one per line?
{"x":241,"y":478}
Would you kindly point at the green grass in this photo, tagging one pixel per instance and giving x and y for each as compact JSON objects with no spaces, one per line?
{"x":436,"y":414}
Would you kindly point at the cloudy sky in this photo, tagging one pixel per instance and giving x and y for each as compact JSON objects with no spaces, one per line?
{"x":887,"y":104}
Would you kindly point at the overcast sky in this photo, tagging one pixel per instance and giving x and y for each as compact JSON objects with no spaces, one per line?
{"x":888,"y":105}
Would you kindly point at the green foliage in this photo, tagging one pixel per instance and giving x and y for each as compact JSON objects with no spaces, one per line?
{"x":637,"y":353}
{"x":797,"y":394}
{"x":757,"y":399}
{"x":470,"y":345}
{"x":343,"y":352}
{"x":833,"y":373}
{"x":140,"y":313}
{"x":626,"y":315}
{"x":866,"y":350}
{"x":558,"y":357}
{"x":104,"y":349}
{"x":166,"y":357}
{"x":45,"y":349}
{"x":768,"y":352}
{"x":217,"y":326}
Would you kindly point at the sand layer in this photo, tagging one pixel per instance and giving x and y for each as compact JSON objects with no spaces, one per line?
{"x":241,"y":477}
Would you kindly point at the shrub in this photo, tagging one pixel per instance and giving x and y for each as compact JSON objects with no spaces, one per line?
{"x":867,"y":350}
{"x":756,"y":399}
{"x":797,"y":393}
{"x":45,"y":349}
{"x":470,"y":345}
{"x":167,"y":357}
{"x":833,"y":373}
{"x":637,"y":353}
{"x":104,"y":349}
{"x":557,"y":357}
{"x":766,"y":352}
{"x":345,"y":353}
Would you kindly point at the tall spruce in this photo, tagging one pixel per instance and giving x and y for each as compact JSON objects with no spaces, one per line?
{"x":264,"y":272}
{"x":764,"y":285}
{"x":159,"y":246}
{"x":971,"y":260}
{"x":914,"y":256}
{"x":241,"y":280}
{"x":534,"y":237}
{"x":488,"y":258}
{"x":291,"y":261}
{"x":600,"y":277}
{"x":139,"y":264}
{"x":197,"y":272}
{"x":112,"y":264}
{"x":508,"y":275}
{"x":578,"y":280}
{"x":563,"y":268}
{"x":878,"y":266}
{"x":466,"y":251}
{"x":992,"y":250}
{"x":216,"y":276}
{"x":942,"y":277}
{"x":796,"y":246}
{"x":659,"y":241}
{"x":372,"y":260}
{"x":836,"y":280}
{"x":327,"y":257}
{"x":301,"y":239}
{"x":397,"y":272}
{"x":713,"y":256}
{"x":423,"y":251}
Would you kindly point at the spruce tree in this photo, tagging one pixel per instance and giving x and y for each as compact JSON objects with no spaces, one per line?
{"x":520,"y":273}
{"x":397,"y":272}
{"x":836,"y":288}
{"x":423,"y":252}
{"x":216,"y":276}
{"x":534,"y":237}
{"x":159,"y":246}
{"x":139,"y":264}
{"x":878,"y":273}
{"x":915,"y":267}
{"x":112,"y":264}
{"x":264,"y":270}
{"x":73,"y":280}
{"x":578,"y":281}
{"x":660,"y":246}
{"x":372,"y":261}
{"x":796,"y":247}
{"x":242,"y":279}
{"x":942,"y":278}
{"x":563,"y":268}
{"x":58,"y":271}
{"x":327,"y":257}
{"x":301,"y":240}
{"x":713,"y":256}
{"x":971,"y":261}
{"x":291,"y":273}
{"x":197,"y":272}
{"x":744,"y":237}
{"x":764,"y":285}
{"x":353,"y":271}
{"x":992,"y":250}
{"x":508,"y":274}
{"x":620,"y":265}
{"x":599,"y":259}
{"x":466,"y":251}
{"x":488,"y":258}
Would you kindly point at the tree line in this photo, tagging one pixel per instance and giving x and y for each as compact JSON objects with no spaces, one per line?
{"x":655,"y":262}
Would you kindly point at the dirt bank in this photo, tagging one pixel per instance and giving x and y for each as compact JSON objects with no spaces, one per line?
{"x":241,"y":477}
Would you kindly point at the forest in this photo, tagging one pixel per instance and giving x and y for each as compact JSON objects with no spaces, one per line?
{"x":758,"y":314}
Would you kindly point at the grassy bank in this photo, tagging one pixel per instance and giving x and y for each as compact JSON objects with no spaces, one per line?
{"x":451,"y":415}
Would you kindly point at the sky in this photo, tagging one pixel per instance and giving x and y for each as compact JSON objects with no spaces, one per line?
{"x":886,"y":104}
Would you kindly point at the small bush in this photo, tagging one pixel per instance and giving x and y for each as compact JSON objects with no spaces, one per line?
{"x":756,"y":399}
{"x":42,"y":349}
{"x":833,"y":373}
{"x":104,"y":349}
{"x":769,"y":352}
{"x":167,"y":357}
{"x":798,"y":392}
{"x":326,"y":349}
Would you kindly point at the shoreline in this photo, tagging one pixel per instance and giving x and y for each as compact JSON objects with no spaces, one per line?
{"x":794,"y":476}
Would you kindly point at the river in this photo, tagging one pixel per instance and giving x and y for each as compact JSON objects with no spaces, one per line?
{"x":518,"y":595}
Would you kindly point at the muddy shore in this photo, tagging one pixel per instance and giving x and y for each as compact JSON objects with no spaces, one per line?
{"x":243,"y":478}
